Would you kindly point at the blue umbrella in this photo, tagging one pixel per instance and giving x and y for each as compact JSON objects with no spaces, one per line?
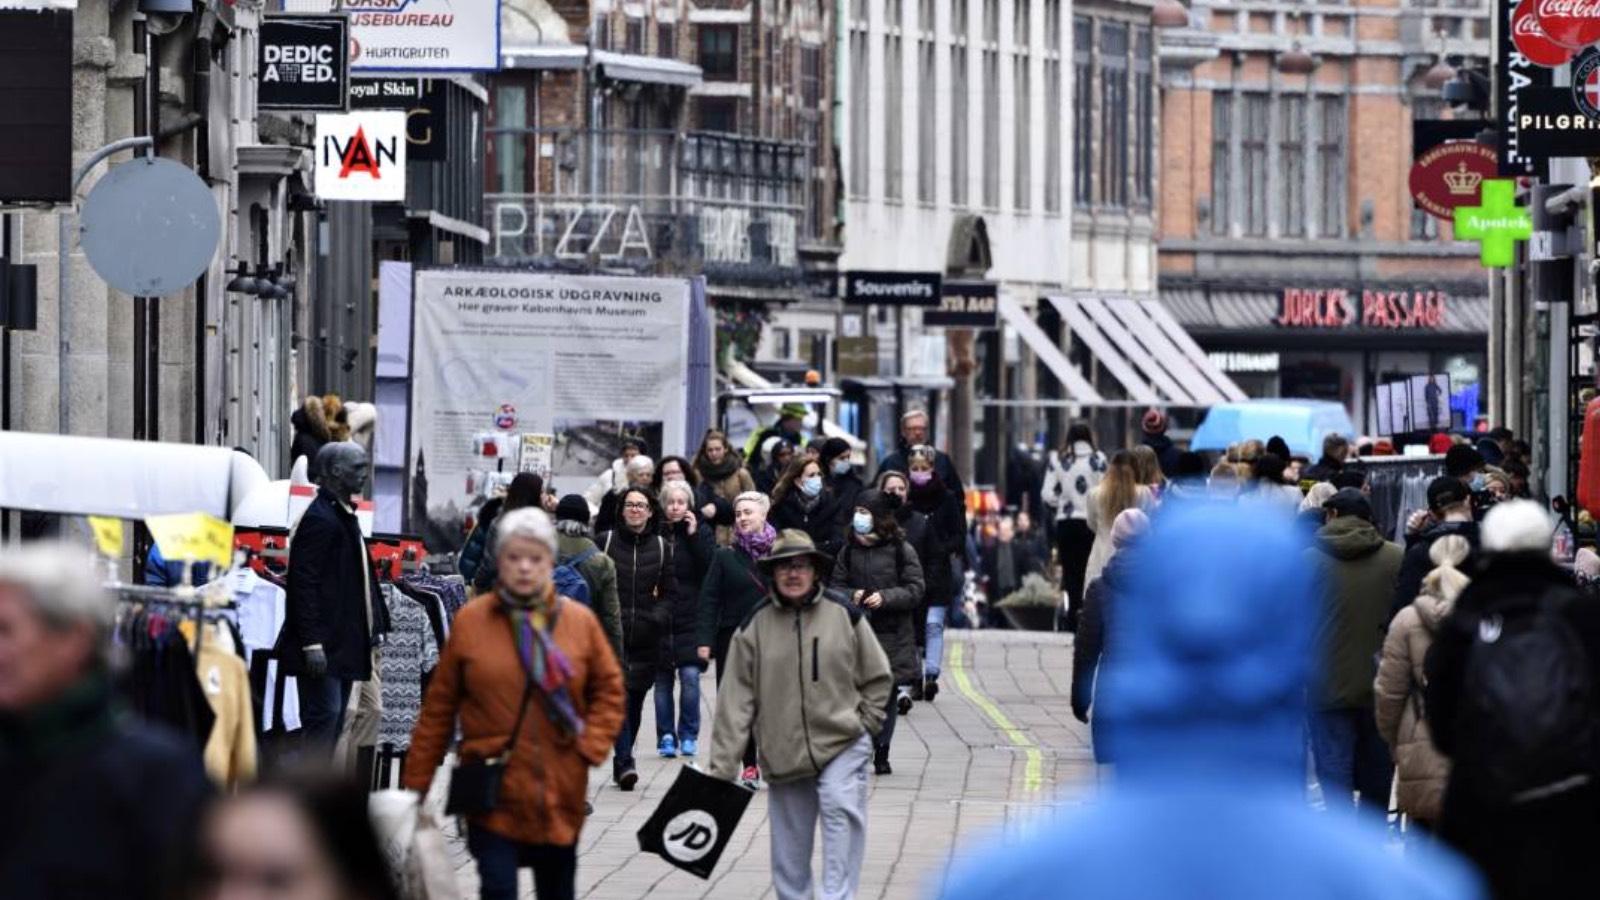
{"x":1301,"y":423}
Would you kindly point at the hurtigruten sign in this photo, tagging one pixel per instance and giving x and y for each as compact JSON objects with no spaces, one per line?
{"x":1342,"y":308}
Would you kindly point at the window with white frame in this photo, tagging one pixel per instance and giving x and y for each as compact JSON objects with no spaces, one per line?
{"x":860,"y":100}
{"x":1278,"y":164}
{"x":959,"y":85}
{"x":991,"y":103}
{"x":927,"y":100}
{"x":1113,"y":47}
{"x":893,"y":112}
{"x":1144,"y":138}
{"x":1082,"y":110}
{"x":1052,"y":106}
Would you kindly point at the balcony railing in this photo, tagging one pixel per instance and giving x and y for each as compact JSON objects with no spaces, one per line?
{"x":651,"y":200}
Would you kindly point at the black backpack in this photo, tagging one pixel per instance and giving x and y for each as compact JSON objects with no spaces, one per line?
{"x":1527,"y":723}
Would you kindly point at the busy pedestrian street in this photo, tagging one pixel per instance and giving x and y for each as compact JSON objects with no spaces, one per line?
{"x":972,"y":769}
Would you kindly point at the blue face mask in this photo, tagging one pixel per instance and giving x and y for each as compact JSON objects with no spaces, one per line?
{"x":1479,"y":483}
{"x":841,"y":467}
{"x":862,"y":523}
{"x":811,"y":486}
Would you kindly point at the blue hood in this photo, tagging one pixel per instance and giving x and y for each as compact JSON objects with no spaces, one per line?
{"x":1214,"y":647}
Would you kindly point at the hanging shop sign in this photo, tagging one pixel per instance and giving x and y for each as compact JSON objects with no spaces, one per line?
{"x":1450,"y":175}
{"x":1427,"y":134}
{"x":1371,"y":308}
{"x":421,"y":99}
{"x":36,"y":84}
{"x":1551,"y":124}
{"x":1532,"y":41}
{"x":361,"y":156}
{"x":1517,"y":74}
{"x":1570,"y":23}
{"x":1586,"y":82}
{"x":1497,"y":223}
{"x":965,"y":304}
{"x":424,"y":35}
{"x":893,"y":288}
{"x":304,"y":63}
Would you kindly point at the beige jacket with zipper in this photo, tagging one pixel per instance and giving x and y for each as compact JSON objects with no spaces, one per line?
{"x":809,"y":681}
{"x":1397,"y":689}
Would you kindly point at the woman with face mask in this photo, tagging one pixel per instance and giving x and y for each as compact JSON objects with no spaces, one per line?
{"x":803,"y":500}
{"x":734,"y":584}
{"x":883,"y":576}
{"x":693,"y":543}
{"x":529,"y":671}
{"x":945,"y":510}
{"x":840,"y":475}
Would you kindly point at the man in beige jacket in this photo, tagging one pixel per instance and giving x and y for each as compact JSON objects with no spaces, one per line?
{"x":807,"y":675}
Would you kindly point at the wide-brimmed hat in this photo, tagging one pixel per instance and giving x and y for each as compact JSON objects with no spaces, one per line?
{"x":793,"y":543}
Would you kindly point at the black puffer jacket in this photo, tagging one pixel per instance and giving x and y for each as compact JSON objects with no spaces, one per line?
{"x":646,"y":595}
{"x":821,"y":521}
{"x":691,"y":558}
{"x":947,"y":537}
{"x":889,"y":568}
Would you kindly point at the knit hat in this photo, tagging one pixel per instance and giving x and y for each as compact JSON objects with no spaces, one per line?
{"x":1154,"y":421}
{"x":1440,"y":443}
{"x":1349,"y":502}
{"x":573,"y":508}
{"x":1129,"y":524}
{"x":1446,"y":491}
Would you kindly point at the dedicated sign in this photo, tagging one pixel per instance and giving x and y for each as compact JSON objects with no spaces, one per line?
{"x":965,"y":304}
{"x":893,"y":288}
{"x":361,"y":156}
{"x":424,"y":35}
{"x":423,"y":101}
{"x":1450,"y":175}
{"x":304,"y":63}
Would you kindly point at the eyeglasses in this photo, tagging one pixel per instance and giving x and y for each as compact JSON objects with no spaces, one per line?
{"x":794,"y":565}
{"x":636,"y":506}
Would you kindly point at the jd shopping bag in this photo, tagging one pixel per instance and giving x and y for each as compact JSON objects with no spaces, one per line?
{"x":692,"y":825}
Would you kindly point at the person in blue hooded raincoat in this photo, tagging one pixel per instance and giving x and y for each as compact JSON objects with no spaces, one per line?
{"x":1201,"y":707}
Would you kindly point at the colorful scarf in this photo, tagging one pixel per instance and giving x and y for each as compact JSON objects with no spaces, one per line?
{"x":532,"y":619}
{"x":756,"y":545}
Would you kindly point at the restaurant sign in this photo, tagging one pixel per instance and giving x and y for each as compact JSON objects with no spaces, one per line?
{"x":1343,"y":308}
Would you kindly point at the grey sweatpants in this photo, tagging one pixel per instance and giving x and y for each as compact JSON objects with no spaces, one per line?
{"x":839,"y":797}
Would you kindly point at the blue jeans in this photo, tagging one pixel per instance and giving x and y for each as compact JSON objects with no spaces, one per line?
{"x":1350,"y":755}
{"x":555,"y":868}
{"x":935,"y":652}
{"x":322,"y":705}
{"x":688,"y":678}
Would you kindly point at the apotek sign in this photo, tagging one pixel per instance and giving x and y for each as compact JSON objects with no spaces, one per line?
{"x":304,"y":63}
{"x":1341,"y":308}
{"x":361,"y":156}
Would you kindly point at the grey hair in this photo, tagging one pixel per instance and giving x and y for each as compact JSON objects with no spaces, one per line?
{"x":61,"y":583}
{"x":529,"y":522}
{"x":759,"y":499}
{"x":677,"y":487}
{"x":640,"y":463}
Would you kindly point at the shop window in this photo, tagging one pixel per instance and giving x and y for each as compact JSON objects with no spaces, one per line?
{"x":719,"y":52}
{"x":510,"y":145}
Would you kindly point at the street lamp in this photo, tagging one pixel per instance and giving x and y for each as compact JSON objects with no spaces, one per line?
{"x":1296,"y":61}
{"x":1169,"y":14}
{"x":1441,"y":74}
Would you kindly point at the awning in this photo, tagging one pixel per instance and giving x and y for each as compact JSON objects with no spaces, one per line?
{"x":1146,"y":351}
{"x":646,"y":69}
{"x":1077,"y":388}
{"x":544,"y":56}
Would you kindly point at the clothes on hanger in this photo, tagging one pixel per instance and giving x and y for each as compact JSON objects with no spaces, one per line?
{"x":261,"y":605}
{"x":161,"y":684}
{"x":407,"y":660}
{"x":230,"y":752}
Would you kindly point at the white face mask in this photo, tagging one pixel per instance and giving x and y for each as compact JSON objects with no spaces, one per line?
{"x":841,"y":467}
{"x":811,"y":486}
{"x":862,"y":523}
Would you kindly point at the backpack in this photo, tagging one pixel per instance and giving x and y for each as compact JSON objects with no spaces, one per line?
{"x":1527,"y":720}
{"x":570,"y":581}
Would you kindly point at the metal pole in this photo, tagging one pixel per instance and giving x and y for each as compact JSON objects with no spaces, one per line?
{"x":63,"y":268}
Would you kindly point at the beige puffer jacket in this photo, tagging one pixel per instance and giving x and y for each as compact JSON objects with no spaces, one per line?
{"x":1398,"y":691}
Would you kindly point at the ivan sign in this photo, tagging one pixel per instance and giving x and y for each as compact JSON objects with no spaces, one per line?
{"x":362,"y":156}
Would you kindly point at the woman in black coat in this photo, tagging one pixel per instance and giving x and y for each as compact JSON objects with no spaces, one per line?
{"x":896,"y":487}
{"x":883,"y":576}
{"x":693,"y":543}
{"x":947,"y":523}
{"x":733,"y":587}
{"x":803,"y":501}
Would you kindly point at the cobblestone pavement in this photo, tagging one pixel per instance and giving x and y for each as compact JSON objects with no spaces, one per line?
{"x":996,"y":751}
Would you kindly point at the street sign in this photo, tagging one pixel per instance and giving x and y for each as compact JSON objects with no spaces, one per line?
{"x":150,"y":227}
{"x":421,"y":99}
{"x":1450,"y":175}
{"x":1496,"y":224}
{"x":1550,"y":124}
{"x":361,"y":156}
{"x":1517,"y":75}
{"x":304,"y":63}
{"x":893,"y":288}
{"x":424,"y":35}
{"x":35,"y":106}
{"x":965,"y":304}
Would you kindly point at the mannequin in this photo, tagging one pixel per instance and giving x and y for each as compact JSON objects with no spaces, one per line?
{"x":327,"y":634}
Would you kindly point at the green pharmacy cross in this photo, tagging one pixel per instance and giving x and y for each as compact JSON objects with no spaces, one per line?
{"x":1495,"y":224}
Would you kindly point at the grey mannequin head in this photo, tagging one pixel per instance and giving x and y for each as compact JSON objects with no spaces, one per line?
{"x":343,"y":469}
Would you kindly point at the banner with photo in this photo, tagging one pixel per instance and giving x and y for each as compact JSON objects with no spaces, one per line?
{"x":588,"y":359}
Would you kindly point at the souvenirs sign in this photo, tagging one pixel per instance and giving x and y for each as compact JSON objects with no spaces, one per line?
{"x":1450,"y":175}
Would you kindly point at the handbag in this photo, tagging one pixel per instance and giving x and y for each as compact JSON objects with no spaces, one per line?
{"x":475,"y":784}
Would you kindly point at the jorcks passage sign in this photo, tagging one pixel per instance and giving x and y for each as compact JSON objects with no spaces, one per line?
{"x":582,"y":358}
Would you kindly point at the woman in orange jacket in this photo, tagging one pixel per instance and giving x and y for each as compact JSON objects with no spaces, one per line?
{"x":573,"y":716}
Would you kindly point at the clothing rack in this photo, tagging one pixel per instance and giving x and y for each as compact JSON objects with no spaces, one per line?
{"x":198,"y":604}
{"x":1390,"y":481}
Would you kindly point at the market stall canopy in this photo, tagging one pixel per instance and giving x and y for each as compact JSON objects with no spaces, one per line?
{"x":1301,"y":423}
{"x":1073,"y":384}
{"x":88,"y":476}
{"x":1145,"y":349}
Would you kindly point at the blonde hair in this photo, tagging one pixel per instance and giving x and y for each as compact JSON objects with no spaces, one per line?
{"x":762,"y":501}
{"x":1318,"y":495}
{"x":1146,"y":465}
{"x":1119,"y":490}
{"x":1447,"y":581}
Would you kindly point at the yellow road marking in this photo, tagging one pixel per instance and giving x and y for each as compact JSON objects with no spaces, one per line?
{"x":1033,"y":770}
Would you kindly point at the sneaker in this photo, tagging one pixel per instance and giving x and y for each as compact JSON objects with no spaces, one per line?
{"x":668,"y":747}
{"x":627,"y":778}
{"x":751,"y":778}
{"x":880,"y":762}
{"x":930,"y":688}
{"x":904,"y":702}
{"x":689,"y":747}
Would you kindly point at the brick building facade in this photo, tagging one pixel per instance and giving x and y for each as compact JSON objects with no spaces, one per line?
{"x":1275,"y":184}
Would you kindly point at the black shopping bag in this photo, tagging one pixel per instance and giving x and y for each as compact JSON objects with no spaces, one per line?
{"x":692,"y":825}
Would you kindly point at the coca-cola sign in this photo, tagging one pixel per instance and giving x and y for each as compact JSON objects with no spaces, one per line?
{"x":1570,"y":23}
{"x":1532,"y":42}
